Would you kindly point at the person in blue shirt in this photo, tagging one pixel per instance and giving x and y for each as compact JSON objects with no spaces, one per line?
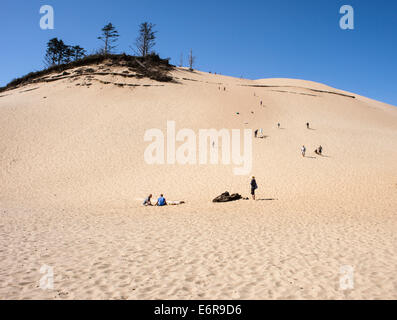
{"x":161,"y":201}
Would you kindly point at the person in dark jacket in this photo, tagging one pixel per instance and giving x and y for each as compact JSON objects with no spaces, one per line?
{"x":254,"y":186}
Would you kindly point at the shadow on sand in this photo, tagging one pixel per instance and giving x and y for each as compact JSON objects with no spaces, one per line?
{"x":321,"y":155}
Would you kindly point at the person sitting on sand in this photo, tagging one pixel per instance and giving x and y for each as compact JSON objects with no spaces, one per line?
{"x":254,"y":186}
{"x":161,"y":201}
{"x":303,"y":151}
{"x":147,"y":201}
{"x":175,"y":203}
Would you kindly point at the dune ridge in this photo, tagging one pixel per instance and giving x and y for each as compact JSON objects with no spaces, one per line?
{"x":72,"y":169}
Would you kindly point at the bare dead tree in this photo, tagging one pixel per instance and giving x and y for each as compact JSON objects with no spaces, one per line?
{"x":192,"y":60}
{"x":181,"y":61}
{"x":146,"y":39}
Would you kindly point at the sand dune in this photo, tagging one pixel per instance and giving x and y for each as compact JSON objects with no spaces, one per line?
{"x":72,"y":167}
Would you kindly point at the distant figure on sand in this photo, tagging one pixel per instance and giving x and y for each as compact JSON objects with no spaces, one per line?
{"x":147,"y":201}
{"x":254,"y":186}
{"x":256,"y":133}
{"x":303,"y":151}
{"x":308,"y":125}
{"x":161,"y":201}
{"x":261,"y":102}
{"x":278,"y":125}
{"x":319,"y":151}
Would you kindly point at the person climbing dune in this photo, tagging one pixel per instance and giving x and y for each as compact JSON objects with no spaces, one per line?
{"x":303,"y":151}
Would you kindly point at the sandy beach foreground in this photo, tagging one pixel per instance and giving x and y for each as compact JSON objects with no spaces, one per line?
{"x":73,"y":171}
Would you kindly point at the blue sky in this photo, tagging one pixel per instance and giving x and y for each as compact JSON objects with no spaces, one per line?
{"x":252,"y":38}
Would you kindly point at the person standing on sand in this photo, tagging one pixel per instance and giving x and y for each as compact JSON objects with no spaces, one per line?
{"x":256,"y":133}
{"x":308,"y":125}
{"x":278,"y":125}
{"x":254,"y":186}
{"x":303,"y":151}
